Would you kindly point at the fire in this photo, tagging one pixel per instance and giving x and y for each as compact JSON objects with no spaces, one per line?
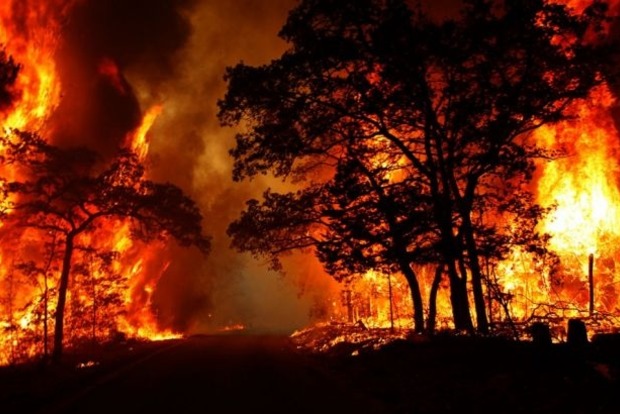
{"x":138,"y":139}
{"x":377,"y":300}
{"x":29,"y":34}
{"x":583,"y":186}
{"x":112,"y":284}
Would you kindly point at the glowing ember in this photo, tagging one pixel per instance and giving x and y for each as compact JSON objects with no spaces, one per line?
{"x":87,"y":364}
{"x":233,"y":328}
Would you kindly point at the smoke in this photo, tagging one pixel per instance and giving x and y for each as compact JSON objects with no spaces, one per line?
{"x":116,"y":60}
{"x":100,"y":41}
{"x":240,"y":289}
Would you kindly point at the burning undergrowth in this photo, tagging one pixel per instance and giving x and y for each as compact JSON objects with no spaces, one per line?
{"x":346,"y":339}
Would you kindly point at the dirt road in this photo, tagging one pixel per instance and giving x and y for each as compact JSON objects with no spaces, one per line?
{"x":220,"y":374}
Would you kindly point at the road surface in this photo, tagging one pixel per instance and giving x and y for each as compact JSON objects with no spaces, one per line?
{"x":221,"y":374}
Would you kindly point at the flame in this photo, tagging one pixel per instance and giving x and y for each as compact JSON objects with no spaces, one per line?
{"x":138,"y":139}
{"x":29,"y":34}
{"x":583,"y":186}
{"x":584,"y":225}
{"x":103,"y":299}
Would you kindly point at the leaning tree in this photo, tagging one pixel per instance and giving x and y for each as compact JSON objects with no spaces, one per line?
{"x":454,"y":102}
{"x":69,"y":191}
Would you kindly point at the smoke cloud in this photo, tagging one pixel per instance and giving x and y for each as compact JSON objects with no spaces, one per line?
{"x":116,"y":60}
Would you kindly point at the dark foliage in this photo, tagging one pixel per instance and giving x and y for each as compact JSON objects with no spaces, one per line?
{"x":411,"y":138}
{"x":68,"y":191}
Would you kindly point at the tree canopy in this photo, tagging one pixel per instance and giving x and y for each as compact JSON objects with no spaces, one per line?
{"x":68,"y":191}
{"x":410,"y":138}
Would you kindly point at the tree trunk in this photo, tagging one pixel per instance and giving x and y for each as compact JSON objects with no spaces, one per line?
{"x":459,"y":300}
{"x":432,"y":300}
{"x":62,"y":298}
{"x":389,"y":276}
{"x":416,"y":296}
{"x":450,"y":249}
{"x":45,"y":316}
{"x":476,"y":276}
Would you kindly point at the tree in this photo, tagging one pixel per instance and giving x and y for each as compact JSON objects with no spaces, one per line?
{"x":36,"y":270}
{"x":69,"y":191}
{"x":452,"y":102}
{"x":96,"y":280}
{"x":355,"y":223}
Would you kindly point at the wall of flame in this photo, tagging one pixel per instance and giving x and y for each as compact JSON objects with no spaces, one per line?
{"x":147,"y":74}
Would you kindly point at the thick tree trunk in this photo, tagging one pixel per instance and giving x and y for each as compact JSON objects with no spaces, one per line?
{"x":476,"y":277}
{"x":459,"y":300}
{"x":416,"y":296}
{"x":450,"y":248}
{"x":458,"y":284}
{"x":431,"y":322}
{"x":62,"y":298}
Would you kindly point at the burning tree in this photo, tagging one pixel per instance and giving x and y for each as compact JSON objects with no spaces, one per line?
{"x":72,"y":194}
{"x":450,"y":104}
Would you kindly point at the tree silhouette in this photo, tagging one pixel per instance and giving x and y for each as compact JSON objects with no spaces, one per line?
{"x":453,"y":103}
{"x":43,"y":270}
{"x":69,"y":191}
{"x":356,"y":222}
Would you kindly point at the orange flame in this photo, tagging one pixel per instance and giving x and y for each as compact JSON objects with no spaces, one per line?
{"x":138,"y":141}
{"x":29,"y":32}
{"x":584,"y":187}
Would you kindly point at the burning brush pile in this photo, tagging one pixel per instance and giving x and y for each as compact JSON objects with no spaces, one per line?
{"x":337,"y":338}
